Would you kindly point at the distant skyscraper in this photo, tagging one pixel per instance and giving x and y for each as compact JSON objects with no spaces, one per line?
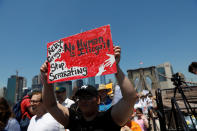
{"x":36,"y":82}
{"x":11,"y":90}
{"x":14,"y":91}
{"x":91,"y":81}
{"x":67,"y":85}
{"x":102,"y":79}
{"x":2,"y":92}
{"x":22,"y":84}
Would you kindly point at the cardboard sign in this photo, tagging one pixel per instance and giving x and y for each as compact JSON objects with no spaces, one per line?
{"x":82,"y":55}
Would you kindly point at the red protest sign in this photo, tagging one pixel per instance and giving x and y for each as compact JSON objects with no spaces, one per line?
{"x":82,"y":55}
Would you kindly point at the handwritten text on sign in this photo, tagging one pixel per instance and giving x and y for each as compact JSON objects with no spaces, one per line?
{"x":82,"y":55}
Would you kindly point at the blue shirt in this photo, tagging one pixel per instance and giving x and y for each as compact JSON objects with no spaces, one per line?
{"x":105,"y":106}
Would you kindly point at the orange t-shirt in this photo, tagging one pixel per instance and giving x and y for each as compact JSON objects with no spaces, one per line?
{"x":134,"y":126}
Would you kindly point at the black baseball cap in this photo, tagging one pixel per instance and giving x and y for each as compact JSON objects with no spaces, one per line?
{"x":86,"y":90}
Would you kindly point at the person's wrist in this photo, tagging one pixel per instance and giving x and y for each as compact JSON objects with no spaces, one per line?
{"x":118,"y":68}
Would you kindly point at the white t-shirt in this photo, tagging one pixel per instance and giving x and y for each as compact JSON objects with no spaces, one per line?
{"x":144,"y":105}
{"x":44,"y":123}
{"x":12,"y":125}
{"x":68,"y":102}
{"x":117,"y":95}
{"x":149,"y":102}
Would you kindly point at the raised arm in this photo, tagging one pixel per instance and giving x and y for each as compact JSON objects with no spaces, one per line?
{"x":59,"y":112}
{"x":124,"y":108}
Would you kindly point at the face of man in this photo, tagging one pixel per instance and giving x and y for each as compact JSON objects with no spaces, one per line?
{"x":88,"y":104}
{"x":103,"y":94}
{"x":61,"y":96}
{"x":36,"y":103}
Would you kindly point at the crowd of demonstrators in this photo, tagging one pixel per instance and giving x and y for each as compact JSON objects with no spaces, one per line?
{"x":144,"y":104}
{"x":30,"y":105}
{"x":7,"y":120}
{"x":89,"y":118}
{"x":90,"y":109}
{"x":145,"y":101}
{"x":42,"y":120}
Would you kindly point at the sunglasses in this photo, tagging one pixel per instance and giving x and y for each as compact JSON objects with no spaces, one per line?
{"x":33,"y":101}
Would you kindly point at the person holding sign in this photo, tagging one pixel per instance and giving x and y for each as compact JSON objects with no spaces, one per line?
{"x":89,"y":118}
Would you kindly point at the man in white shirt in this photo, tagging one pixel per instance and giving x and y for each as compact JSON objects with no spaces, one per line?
{"x":89,"y":118}
{"x":60,"y":92}
{"x":42,"y":121}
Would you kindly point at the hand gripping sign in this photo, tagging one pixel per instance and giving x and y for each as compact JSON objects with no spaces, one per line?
{"x":83,"y":55}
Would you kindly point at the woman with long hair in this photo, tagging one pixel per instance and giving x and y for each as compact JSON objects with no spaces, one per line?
{"x":7,"y":122}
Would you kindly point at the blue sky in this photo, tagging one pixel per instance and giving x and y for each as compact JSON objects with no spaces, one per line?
{"x":151,"y":31}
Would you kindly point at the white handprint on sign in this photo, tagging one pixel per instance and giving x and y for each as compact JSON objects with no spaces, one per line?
{"x":110,"y":61}
{"x":101,"y":70}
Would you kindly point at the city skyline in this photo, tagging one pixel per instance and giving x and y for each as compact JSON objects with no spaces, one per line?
{"x":149,"y":32}
{"x":36,"y":81}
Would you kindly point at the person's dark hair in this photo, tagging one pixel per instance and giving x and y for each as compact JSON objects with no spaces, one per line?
{"x":192,"y":67}
{"x":36,"y":91}
{"x":139,"y":109}
{"x":29,"y":94}
{"x":5,"y":113}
